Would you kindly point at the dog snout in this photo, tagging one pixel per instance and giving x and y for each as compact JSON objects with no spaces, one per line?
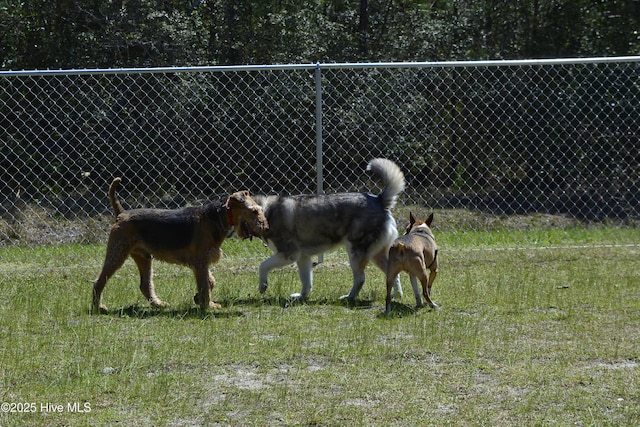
{"x":263,"y":224}
{"x":259,"y":226}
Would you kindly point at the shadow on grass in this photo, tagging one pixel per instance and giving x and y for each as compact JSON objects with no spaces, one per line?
{"x":180,"y":312}
{"x":399,"y":309}
{"x":286,"y":302}
{"x":230,"y":308}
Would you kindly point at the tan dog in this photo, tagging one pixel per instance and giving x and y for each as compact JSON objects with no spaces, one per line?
{"x":190,"y":236}
{"x":415,"y":252}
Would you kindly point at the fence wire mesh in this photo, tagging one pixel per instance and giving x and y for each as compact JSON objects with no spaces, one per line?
{"x":517,"y":139}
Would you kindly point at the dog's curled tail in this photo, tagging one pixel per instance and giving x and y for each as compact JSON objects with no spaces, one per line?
{"x":115,"y":203}
{"x":392,"y":180}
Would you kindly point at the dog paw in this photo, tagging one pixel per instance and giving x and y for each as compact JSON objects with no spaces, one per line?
{"x":395,"y":294}
{"x":297,"y":296}
{"x":263,"y":287}
{"x":215,"y":305}
{"x":156,"y":303}
{"x":348,"y":299}
{"x":102,"y":309}
{"x":432,"y":305}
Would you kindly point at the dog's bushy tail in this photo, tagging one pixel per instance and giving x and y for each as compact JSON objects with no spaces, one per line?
{"x":392,"y":179}
{"x":115,"y":203}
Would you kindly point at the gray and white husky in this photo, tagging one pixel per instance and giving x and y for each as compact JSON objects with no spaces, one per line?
{"x":305,"y":225}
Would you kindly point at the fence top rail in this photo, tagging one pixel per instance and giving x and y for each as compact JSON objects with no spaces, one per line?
{"x":346,"y":65}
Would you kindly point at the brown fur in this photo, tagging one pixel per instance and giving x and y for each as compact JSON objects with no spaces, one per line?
{"x":190,"y":236}
{"x":415,"y":252}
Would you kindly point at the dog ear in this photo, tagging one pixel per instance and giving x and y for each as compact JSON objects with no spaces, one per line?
{"x":240,"y":196}
{"x":428,"y":221}
{"x":412,"y":220}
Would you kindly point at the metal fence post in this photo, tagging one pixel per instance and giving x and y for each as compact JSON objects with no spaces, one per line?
{"x":319,"y":177}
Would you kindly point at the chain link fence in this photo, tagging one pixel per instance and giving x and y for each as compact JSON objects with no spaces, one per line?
{"x":556,"y":137}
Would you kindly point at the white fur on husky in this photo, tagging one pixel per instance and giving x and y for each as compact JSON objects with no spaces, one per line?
{"x":392,"y":175}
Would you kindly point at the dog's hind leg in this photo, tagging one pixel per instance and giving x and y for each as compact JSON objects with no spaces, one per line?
{"x":381,"y":259}
{"x":426,"y":288}
{"x":426,"y":281}
{"x":115,"y":257}
{"x":305,"y":265}
{"x":144,"y":262}
{"x":278,"y":260}
{"x":358,"y":263}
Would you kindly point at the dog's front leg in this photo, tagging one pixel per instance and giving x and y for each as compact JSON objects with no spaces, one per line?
{"x":276,"y":261}
{"x":391,"y":277}
{"x":144,"y":261}
{"x":397,"y":288}
{"x":416,"y":291}
{"x":205,"y":283}
{"x":381,"y":259}
{"x":305,"y":272}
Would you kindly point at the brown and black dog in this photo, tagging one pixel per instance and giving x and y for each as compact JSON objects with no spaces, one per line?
{"x":190,"y":236}
{"x":415,"y":252}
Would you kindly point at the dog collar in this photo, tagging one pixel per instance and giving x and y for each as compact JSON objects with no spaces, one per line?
{"x":229,"y":215}
{"x":423,"y":233}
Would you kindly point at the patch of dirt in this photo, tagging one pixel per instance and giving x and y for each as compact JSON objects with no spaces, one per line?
{"x":624,"y":364}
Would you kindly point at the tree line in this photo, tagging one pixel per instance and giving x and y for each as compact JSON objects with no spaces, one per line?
{"x":509,"y":139}
{"x":56,"y":34}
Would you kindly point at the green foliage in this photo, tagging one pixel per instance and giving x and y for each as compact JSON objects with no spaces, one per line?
{"x":87,"y":34}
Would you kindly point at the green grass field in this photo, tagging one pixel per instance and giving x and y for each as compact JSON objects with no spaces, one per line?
{"x":522,"y":337}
